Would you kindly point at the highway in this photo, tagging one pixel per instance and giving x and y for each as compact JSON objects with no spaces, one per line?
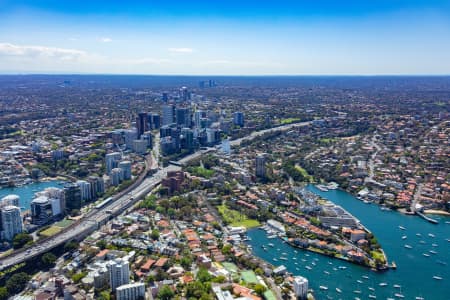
{"x":97,"y":217}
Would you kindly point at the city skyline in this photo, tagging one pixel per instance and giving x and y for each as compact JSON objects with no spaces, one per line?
{"x":283,"y":38}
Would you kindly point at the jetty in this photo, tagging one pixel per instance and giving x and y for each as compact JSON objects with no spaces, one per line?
{"x":423,"y":216}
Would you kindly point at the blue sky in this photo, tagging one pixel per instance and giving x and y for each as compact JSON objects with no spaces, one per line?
{"x":225,"y":37}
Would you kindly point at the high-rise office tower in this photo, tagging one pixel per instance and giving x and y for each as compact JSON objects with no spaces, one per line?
{"x":168,"y":114}
{"x":198,"y":116}
{"x":85,"y":188}
{"x":10,"y":200}
{"x":131,"y":291}
{"x":187,"y":139}
{"x":141,"y":123}
{"x":72,"y":196}
{"x":11,"y":222}
{"x":300,"y":287}
{"x":164,"y":97}
{"x":111,"y":161}
{"x":126,"y":168}
{"x":184,"y":94}
{"x":119,"y":273}
{"x":183,"y":116}
{"x":238,"y":118}
{"x":154,"y":120}
{"x":260,"y":165}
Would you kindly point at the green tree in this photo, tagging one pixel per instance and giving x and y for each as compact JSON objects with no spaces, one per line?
{"x":104,"y":295}
{"x":203,"y":275}
{"x":16,"y":283}
{"x":21,"y":240}
{"x":259,"y":289}
{"x":3,"y":293}
{"x":48,"y":259}
{"x":155,"y":234}
{"x":70,"y":246}
{"x":165,"y":293}
{"x":101,"y":244}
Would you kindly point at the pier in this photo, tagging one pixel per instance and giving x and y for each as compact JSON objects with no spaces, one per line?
{"x":423,"y":216}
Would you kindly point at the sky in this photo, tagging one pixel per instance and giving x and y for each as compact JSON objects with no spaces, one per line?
{"x":225,"y":37}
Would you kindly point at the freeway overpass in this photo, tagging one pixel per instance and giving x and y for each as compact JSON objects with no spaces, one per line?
{"x":97,"y":217}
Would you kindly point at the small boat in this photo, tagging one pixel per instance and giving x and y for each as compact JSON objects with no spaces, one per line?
{"x":303,"y":259}
{"x":306,"y":254}
{"x":371,"y":289}
{"x":397,"y":286}
{"x":432,"y":251}
{"x":334,"y":269}
{"x":338,"y":290}
{"x":404,"y":237}
{"x":383,"y":284}
{"x":418,"y":234}
{"x":398,"y":295}
{"x":365,"y":277}
{"x":313,"y":263}
{"x":420,"y":298}
{"x":294,"y":258}
{"x":431,"y":235}
{"x":437,"y":277}
{"x":283,"y":258}
{"x":330,"y":263}
{"x":284,"y":253}
{"x":322,"y":287}
{"x":342,"y":267}
{"x":434,"y":245}
{"x":422,"y":242}
{"x":357,"y":291}
{"x":272,"y":236}
{"x":372,"y":297}
{"x":402,"y":228}
{"x":357,"y":298}
{"x":297,"y":269}
{"x":326,"y":272}
{"x":426,"y":254}
{"x":308,"y":267}
{"x":271,"y":245}
{"x":359,"y":281}
{"x":441,"y":262}
{"x":408,"y":246}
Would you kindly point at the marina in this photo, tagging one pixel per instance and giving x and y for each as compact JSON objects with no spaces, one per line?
{"x":354,"y":280}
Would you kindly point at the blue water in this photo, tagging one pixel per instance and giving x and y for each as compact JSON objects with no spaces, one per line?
{"x":414,"y":271}
{"x":26,"y":192}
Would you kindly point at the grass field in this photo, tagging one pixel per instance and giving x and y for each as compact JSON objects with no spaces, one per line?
{"x":230,"y":267}
{"x":52,"y":230}
{"x":289,"y":120}
{"x":234,"y":218}
{"x":249,"y":276}
{"x":64,"y":223}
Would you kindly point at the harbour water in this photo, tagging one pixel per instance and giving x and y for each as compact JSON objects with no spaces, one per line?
{"x":416,"y":266}
{"x":26,"y":192}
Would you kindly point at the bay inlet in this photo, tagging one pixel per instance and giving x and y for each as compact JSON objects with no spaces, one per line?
{"x":419,"y":266}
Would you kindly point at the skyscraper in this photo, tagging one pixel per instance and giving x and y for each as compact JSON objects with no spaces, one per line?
{"x":141,"y":123}
{"x":119,"y":272}
{"x":10,"y":200}
{"x":126,"y":168}
{"x":184,"y":94}
{"x":85,"y":188}
{"x":168,"y":113}
{"x":131,"y":291}
{"x":238,"y":118}
{"x":111,"y":161}
{"x":260,"y":165}
{"x":11,"y":222}
{"x":300,"y":287}
{"x":72,"y":196}
{"x":183,"y":115}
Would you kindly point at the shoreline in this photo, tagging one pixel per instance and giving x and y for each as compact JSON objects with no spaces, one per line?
{"x":436,"y":212}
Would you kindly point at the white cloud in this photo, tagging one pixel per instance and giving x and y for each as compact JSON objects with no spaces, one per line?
{"x":181,"y":50}
{"x":8,"y":49}
{"x":106,"y":40}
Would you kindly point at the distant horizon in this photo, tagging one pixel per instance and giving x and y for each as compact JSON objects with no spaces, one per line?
{"x":225,"y":75}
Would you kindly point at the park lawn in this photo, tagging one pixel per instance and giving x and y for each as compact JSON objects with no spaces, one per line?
{"x":230,"y":267}
{"x":52,"y":230}
{"x":235,"y":218}
{"x":289,"y":120}
{"x":64,"y":223}
{"x":377,"y":255}
{"x":249,"y":276}
{"x":202,"y":172}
